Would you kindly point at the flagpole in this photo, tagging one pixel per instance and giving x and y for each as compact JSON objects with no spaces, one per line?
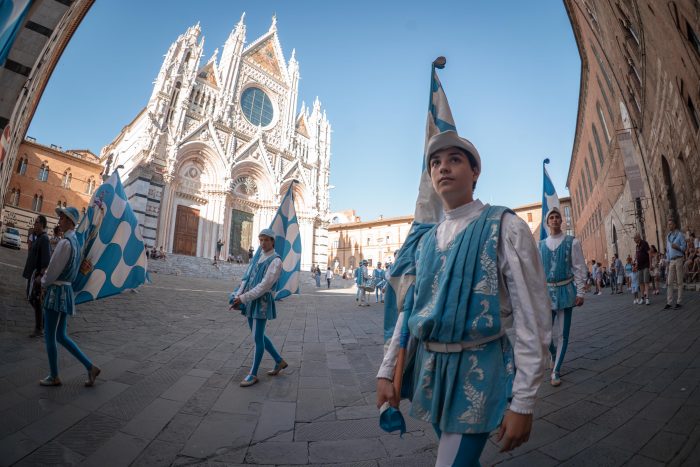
{"x":438,"y":63}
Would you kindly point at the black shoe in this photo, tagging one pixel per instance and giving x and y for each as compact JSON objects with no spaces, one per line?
{"x":678,"y":305}
{"x":667,"y":307}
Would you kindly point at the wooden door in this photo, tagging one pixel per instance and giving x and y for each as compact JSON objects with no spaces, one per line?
{"x":186,"y":227}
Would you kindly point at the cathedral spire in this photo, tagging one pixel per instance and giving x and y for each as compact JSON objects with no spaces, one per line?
{"x":273,"y":26}
{"x":241,"y":22}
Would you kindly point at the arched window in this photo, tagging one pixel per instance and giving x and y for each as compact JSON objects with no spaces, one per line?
{"x":604,"y":124}
{"x":14,"y":198}
{"x":670,"y":192}
{"x":590,"y":156}
{"x":598,"y":147}
{"x":43,"y":172}
{"x":37,"y":203}
{"x":90,"y":187}
{"x":22,"y":166}
{"x":67,"y":178}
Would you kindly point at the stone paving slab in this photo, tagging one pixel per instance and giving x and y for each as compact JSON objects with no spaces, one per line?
{"x":172,"y":356}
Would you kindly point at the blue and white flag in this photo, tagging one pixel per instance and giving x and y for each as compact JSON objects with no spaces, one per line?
{"x":428,"y":205}
{"x":429,"y":209}
{"x":549,"y":199}
{"x":113,"y":252}
{"x":287,"y":245}
{"x":12,"y":14}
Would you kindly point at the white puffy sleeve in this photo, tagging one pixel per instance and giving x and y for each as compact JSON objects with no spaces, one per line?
{"x":271,"y":275}
{"x":579,"y":265}
{"x":58,"y":262}
{"x":525,"y":295}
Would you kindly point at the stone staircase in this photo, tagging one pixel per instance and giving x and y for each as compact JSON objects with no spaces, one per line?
{"x":192,"y":266}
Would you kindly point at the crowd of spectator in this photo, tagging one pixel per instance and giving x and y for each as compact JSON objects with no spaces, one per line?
{"x":642,"y":275}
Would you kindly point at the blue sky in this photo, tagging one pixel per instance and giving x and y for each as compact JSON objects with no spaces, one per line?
{"x":512,"y":79}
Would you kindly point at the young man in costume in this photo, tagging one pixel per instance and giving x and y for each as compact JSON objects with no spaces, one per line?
{"x":378,"y":277}
{"x":477,"y":273}
{"x":59,"y":299}
{"x":565,"y":271}
{"x":361,"y":276}
{"x":256,"y":301}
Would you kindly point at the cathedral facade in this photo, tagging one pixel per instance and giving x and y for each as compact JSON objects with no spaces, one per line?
{"x":218,"y":145}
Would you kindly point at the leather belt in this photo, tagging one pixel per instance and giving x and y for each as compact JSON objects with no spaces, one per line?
{"x":560,"y":283}
{"x":457,"y":347}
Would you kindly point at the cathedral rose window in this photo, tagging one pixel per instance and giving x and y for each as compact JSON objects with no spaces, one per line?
{"x":257,"y":107}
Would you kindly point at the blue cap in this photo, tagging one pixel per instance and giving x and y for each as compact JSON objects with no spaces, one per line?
{"x":268,"y":233}
{"x":70,"y":212}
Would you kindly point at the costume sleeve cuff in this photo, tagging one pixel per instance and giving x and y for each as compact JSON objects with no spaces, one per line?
{"x":386,"y":373}
{"x":522,"y":407}
{"x":243,"y":298}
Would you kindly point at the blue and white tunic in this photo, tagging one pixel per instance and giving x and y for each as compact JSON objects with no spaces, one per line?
{"x":378,"y":277}
{"x":468,"y":392}
{"x":60,"y":273}
{"x":456,"y":300}
{"x":256,"y":291}
{"x":564,"y":268}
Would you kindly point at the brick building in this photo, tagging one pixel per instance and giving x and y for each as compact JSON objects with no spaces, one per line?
{"x":635,"y":159}
{"x":44,"y":177}
{"x":532,"y":214}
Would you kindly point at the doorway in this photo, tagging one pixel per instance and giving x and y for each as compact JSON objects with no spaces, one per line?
{"x":241,"y":233}
{"x":186,"y":229}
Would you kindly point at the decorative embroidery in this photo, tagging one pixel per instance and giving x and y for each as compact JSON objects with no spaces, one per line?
{"x":475,"y":412}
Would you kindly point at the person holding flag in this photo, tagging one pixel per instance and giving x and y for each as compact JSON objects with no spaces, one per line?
{"x":465,"y":274}
{"x":565,"y":270}
{"x":59,"y":303}
{"x":100,"y":256}
{"x":272,"y":274}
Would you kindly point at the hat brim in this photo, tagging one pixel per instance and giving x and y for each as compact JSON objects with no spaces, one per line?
{"x":66,"y":213}
{"x":450,"y":139}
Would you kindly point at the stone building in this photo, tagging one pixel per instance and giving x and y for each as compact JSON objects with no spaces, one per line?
{"x":532,"y":214}
{"x":43,"y":35}
{"x":219,"y":143}
{"x":45,"y":177}
{"x":376,"y":241}
{"x":635,"y":159}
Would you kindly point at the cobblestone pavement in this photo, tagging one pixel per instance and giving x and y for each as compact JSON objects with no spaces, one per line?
{"x":172,"y":357}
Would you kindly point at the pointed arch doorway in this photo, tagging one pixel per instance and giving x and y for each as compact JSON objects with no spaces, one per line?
{"x":241,"y":233}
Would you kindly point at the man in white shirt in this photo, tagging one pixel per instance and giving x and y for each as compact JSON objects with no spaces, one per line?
{"x":461,"y":379}
{"x":255,"y":299}
{"x":565,"y":270}
{"x":59,"y":300}
{"x":329,"y":276}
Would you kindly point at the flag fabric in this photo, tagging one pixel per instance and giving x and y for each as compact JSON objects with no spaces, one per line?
{"x":428,"y":211}
{"x":428,"y":205}
{"x":549,"y":199}
{"x":287,"y":245}
{"x":12,"y":14}
{"x":113,"y":252}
